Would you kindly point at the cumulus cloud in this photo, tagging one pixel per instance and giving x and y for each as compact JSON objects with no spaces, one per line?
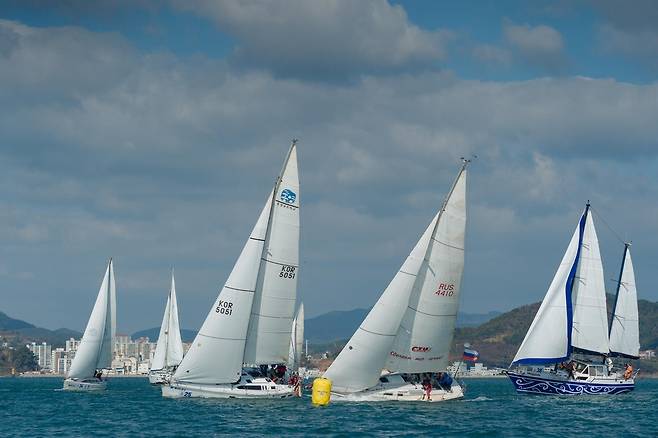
{"x":541,"y":46}
{"x":159,"y":161}
{"x":327,"y":39}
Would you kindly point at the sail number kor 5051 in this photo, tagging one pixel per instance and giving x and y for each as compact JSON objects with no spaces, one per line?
{"x":224,"y":307}
{"x":287,"y":271}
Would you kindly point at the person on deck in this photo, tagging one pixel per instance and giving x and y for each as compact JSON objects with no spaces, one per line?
{"x":608,"y":364}
{"x":427,"y":387}
{"x":628,"y":372}
{"x":99,"y":375}
{"x":445,"y":381}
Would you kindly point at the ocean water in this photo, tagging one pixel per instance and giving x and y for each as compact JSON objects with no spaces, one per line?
{"x":30,"y":407}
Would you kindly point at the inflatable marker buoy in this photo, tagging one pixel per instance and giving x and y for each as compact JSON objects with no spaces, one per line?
{"x":321,"y":391}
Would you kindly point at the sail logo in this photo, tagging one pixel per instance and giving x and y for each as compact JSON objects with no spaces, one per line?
{"x":420,"y":349}
{"x":288,"y":196}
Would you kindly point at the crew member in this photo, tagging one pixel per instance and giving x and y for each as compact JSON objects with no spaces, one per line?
{"x":427,"y":386}
{"x":628,"y":372}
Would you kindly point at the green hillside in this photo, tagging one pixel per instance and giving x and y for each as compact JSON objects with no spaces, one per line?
{"x":498,"y":339}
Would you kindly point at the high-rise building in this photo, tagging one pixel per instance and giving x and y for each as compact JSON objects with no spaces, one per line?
{"x":42,"y":352}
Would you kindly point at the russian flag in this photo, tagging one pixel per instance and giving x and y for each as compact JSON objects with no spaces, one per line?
{"x":470,"y":354}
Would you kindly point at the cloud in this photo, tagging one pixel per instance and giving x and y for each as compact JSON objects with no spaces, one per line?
{"x":328,"y":39}
{"x":541,"y":46}
{"x":159,"y":161}
{"x":492,"y":54}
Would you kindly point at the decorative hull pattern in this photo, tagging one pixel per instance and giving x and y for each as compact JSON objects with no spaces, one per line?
{"x":540,"y":385}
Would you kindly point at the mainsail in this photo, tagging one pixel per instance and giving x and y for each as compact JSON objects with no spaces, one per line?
{"x":224,"y":332}
{"x":97,"y":344}
{"x":422,"y":296}
{"x":169,"y":349}
{"x":624,"y":328}
{"x":572,"y":316}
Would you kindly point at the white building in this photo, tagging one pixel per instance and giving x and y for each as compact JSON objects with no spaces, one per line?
{"x":42,"y":352}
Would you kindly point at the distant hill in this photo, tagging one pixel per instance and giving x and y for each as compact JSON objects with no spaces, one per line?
{"x":7,"y":323}
{"x":25,"y":332}
{"x":153,"y":333}
{"x":498,"y":340}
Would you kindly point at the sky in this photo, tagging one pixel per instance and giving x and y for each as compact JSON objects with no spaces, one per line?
{"x":152,"y":132}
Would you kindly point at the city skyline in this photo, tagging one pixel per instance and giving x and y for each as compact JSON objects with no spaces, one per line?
{"x":152,"y":133}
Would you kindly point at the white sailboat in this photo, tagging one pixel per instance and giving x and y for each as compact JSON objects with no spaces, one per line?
{"x":568,"y":346}
{"x":251,"y":321}
{"x":406,"y":337}
{"x":169,"y":349}
{"x":296,"y":340}
{"x":96,"y":347}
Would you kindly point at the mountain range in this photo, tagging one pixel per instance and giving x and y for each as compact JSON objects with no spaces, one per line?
{"x":16,"y":328}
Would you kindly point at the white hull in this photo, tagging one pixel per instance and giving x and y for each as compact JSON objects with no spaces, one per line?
{"x":87,"y":385}
{"x":160,"y":377}
{"x":404,"y":393}
{"x":256,"y":388}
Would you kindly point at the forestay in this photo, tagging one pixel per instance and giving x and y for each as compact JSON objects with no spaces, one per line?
{"x":624,"y":330}
{"x":97,"y":344}
{"x":273,"y":309}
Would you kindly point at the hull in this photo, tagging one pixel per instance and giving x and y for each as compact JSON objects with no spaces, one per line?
{"x":87,"y":385}
{"x":160,"y":377}
{"x":556,"y":385}
{"x":400,"y":393}
{"x":255,"y":389}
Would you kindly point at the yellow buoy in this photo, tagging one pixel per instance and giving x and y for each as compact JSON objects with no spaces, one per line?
{"x":321,"y":391}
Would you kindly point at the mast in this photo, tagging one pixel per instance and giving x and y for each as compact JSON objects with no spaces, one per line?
{"x":621,"y":272}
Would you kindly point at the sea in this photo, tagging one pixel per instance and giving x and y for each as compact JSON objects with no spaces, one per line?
{"x":32,"y":407}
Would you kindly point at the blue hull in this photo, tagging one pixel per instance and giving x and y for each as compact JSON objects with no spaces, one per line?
{"x":536,"y":385}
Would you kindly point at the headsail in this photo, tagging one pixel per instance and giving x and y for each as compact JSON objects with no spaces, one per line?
{"x":97,"y":344}
{"x":359,"y":364}
{"x":169,"y":349}
{"x":624,"y":328}
{"x":273,"y":309}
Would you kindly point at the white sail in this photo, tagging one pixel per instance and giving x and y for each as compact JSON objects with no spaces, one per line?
{"x":216,"y":354}
{"x":624,"y":330}
{"x":159,"y":358}
{"x":174,"y":341}
{"x":273,"y":309}
{"x":358,"y":366}
{"x":169,"y":349}
{"x":296,"y":339}
{"x":299,"y":334}
{"x":548,"y":338}
{"x":97,"y":344}
{"x":425,"y":335}
{"x":590,"y":316}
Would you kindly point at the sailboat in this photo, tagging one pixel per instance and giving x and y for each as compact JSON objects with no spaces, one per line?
{"x":405,"y":339}
{"x":568,"y":348}
{"x":169,"y":349}
{"x":97,"y":345}
{"x":296,"y":340}
{"x":250,"y":324}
